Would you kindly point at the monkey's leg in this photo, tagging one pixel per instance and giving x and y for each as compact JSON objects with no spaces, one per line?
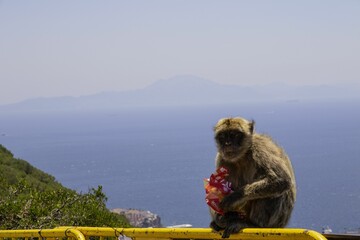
{"x":270,"y":213}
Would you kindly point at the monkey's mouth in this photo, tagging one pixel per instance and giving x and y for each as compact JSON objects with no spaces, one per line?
{"x":229,"y":149}
{"x":229,"y":152}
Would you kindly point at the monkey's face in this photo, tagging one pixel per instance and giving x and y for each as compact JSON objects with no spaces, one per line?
{"x":233,"y":137}
{"x":230,"y":144}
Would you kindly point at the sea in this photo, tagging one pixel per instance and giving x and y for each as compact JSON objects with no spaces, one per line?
{"x":156,"y":158}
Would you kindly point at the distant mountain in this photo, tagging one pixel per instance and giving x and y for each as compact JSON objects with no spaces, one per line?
{"x":187,"y":90}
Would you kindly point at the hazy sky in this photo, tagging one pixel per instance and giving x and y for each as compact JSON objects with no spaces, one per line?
{"x":55,"y":48}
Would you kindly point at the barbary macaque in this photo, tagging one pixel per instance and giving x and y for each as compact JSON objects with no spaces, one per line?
{"x":261,"y":177}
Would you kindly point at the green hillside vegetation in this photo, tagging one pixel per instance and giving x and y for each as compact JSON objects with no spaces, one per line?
{"x":31,"y":198}
{"x":12,"y":170}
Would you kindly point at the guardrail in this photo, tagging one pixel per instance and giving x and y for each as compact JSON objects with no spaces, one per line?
{"x":199,"y":233}
{"x":102,"y":233}
{"x":42,"y":234}
{"x":85,"y":233}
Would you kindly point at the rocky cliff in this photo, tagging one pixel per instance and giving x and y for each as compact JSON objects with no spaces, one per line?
{"x":140,"y":218}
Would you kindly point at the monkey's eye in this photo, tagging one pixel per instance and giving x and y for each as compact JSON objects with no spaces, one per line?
{"x":236,"y":137}
{"x":220,"y":137}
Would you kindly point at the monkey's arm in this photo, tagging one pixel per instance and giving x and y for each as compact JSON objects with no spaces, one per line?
{"x":272,"y":184}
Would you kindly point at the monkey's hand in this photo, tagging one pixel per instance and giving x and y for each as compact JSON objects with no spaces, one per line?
{"x":233,"y":202}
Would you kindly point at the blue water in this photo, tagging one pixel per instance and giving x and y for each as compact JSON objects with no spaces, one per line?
{"x":156,"y":159}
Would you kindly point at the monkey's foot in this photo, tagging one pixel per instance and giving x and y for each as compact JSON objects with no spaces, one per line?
{"x":218,"y":223}
{"x":234,"y":223}
{"x":233,"y":228}
{"x":216,"y":227}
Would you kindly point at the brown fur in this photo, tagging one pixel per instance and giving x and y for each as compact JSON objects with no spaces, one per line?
{"x":262,"y":179}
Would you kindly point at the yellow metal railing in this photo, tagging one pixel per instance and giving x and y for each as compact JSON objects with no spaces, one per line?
{"x":83,"y":233}
{"x":42,"y":234}
{"x":201,"y":233}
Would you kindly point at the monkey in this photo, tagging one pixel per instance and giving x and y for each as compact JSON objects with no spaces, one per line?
{"x":261,"y":176}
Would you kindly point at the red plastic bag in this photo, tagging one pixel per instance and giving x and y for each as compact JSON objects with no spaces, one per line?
{"x":216,"y":188}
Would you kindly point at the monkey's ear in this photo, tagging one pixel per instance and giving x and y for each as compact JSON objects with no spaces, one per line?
{"x":252,"y":126}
